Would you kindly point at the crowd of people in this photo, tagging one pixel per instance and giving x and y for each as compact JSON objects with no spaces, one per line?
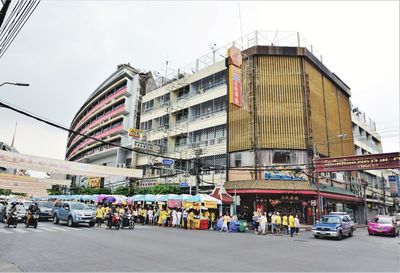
{"x":156,"y":215}
{"x":274,"y":223}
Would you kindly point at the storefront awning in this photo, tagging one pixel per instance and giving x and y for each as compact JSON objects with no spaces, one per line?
{"x":282,"y":185}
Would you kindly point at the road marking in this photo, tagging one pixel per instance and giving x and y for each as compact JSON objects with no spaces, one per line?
{"x":20,"y":230}
{"x":35,"y":230}
{"x":5,"y":231}
{"x":70,"y":228}
{"x":47,"y":229}
{"x":62,"y":229}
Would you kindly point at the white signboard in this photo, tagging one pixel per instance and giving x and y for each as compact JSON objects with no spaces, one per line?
{"x":43,"y":164}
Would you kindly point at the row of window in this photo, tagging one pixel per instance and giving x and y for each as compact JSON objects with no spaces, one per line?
{"x":101,"y":114}
{"x":97,"y":149}
{"x":196,"y":112}
{"x":197,"y":87}
{"x":102,"y":98}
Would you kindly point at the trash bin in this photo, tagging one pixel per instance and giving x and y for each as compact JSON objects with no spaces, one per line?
{"x":242,"y":225}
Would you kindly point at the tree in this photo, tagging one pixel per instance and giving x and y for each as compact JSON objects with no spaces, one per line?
{"x":5,"y":192}
{"x":55,"y":190}
{"x":165,"y":189}
{"x":124,"y":191}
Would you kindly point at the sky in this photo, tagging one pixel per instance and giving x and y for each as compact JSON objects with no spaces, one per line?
{"x":68,"y":48}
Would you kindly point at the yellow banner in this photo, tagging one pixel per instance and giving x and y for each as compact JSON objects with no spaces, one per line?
{"x":210,"y":204}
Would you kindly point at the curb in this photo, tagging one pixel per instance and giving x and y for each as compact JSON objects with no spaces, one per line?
{"x":9,"y":267}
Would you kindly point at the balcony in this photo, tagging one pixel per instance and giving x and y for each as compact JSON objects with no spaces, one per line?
{"x":109,"y":133}
{"x":120,"y":110}
{"x":116,"y":95}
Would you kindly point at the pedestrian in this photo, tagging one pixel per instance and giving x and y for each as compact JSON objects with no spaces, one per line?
{"x":269,"y":216}
{"x":291,"y":224}
{"x":144,"y":216}
{"x":278,"y":221}
{"x":150,"y":216}
{"x":297,"y":224}
{"x":99,"y":215}
{"x":185,"y":216}
{"x":285,"y":224}
{"x":135,"y":214}
{"x":256,"y":221}
{"x":178,"y":218}
{"x":212,"y":218}
{"x":191,"y":219}
{"x":163,"y":216}
{"x":273,"y":223}
{"x":169,"y":218}
{"x":225,"y":223}
{"x":174,"y":218}
{"x":263,"y":223}
{"x":207,"y":216}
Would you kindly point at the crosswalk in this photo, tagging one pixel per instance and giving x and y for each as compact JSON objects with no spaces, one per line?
{"x":40,"y":229}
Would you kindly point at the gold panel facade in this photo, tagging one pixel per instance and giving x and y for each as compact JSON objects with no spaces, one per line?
{"x":346,"y":124}
{"x":280,"y":101}
{"x":319,"y":134}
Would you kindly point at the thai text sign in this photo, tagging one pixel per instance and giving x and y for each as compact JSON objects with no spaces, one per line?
{"x":43,"y":164}
{"x":357,"y":163}
{"x":174,"y":203}
{"x":210,"y":204}
{"x":235,"y":85}
{"x":134,"y":133}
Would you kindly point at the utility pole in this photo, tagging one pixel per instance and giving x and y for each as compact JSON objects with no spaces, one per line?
{"x":316,"y":179}
{"x":197,"y":166}
{"x":384,"y":194}
{"x":3,"y":11}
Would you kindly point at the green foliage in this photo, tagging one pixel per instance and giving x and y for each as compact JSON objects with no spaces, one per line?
{"x":164,"y":189}
{"x":5,"y":192}
{"x":55,"y":190}
{"x":124,"y":191}
{"x":90,"y":191}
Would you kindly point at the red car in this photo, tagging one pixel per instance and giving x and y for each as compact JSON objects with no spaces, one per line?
{"x":383,"y":224}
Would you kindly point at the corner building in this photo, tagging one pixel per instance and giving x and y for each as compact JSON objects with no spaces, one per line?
{"x":107,"y":114}
{"x":294,"y":108}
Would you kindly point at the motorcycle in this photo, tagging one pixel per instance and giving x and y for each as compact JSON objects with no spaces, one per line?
{"x":114,"y":220}
{"x":12,"y":220}
{"x":127,"y":221}
{"x":32,"y":219}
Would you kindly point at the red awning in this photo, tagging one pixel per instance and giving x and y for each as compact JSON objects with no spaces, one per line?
{"x":221,"y":194}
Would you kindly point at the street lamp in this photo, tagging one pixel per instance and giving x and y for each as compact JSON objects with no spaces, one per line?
{"x":15,"y":83}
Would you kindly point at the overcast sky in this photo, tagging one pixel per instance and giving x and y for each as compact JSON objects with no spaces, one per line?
{"x":67,"y":48}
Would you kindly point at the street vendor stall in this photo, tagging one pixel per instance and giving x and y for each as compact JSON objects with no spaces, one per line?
{"x":201,"y":202}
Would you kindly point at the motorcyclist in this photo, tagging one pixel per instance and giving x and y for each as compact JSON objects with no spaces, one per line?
{"x":33,"y":208}
{"x":13,"y":210}
{"x":111,"y":212}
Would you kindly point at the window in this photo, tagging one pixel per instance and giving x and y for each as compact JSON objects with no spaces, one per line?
{"x":238,"y":160}
{"x":284,"y":157}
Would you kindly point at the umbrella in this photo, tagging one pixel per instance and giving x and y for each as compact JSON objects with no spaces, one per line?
{"x":110,"y":199}
{"x":150,"y":198}
{"x":120,"y":203}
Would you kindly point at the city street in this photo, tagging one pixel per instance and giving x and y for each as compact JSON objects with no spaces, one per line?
{"x":59,"y":248}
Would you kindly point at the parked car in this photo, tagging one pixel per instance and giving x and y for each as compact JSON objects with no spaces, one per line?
{"x":45,"y":210}
{"x":27,"y":204}
{"x":383,"y":224}
{"x":334,"y":225}
{"x":73,"y":213}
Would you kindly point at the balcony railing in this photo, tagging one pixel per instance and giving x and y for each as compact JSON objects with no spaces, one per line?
{"x":115,"y":112}
{"x":98,"y":106}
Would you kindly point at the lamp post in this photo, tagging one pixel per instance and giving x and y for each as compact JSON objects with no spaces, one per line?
{"x":235,"y":204}
{"x":15,"y":83}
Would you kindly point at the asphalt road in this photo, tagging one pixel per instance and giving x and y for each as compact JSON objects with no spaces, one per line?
{"x":59,"y":248}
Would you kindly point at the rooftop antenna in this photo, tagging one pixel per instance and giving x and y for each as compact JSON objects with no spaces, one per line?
{"x":241,"y":29}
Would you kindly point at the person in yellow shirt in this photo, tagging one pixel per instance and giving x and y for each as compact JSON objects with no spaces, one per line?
{"x":212,"y":218}
{"x":291,"y":225}
{"x":191,"y":220}
{"x":225,"y":221}
{"x":207,"y":216}
{"x":278,"y":221}
{"x":285,"y":224}
{"x":163,"y":216}
{"x":99,"y":215}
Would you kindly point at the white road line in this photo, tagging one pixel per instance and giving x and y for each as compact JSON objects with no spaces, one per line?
{"x":5,"y":231}
{"x":48,"y":229}
{"x":62,"y":229}
{"x":20,"y":230}
{"x":73,"y":229}
{"x":35,"y":230}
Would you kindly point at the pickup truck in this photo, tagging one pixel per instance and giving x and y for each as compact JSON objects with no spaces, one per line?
{"x":73,"y":213}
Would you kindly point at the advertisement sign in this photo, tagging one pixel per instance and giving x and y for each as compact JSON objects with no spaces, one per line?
{"x":184,"y":184}
{"x":210,"y":204}
{"x":147,"y":184}
{"x":394,"y":185}
{"x":235,"y":85}
{"x":235,"y":56}
{"x":358,"y":163}
{"x":134,"y":133}
{"x":43,"y":164}
{"x":174,"y":203}
{"x":94,"y":182}
{"x":168,"y":162}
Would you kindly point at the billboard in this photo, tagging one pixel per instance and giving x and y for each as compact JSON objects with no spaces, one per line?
{"x":394,"y":185}
{"x":235,"y":85}
{"x":94,"y":182}
{"x":358,"y":163}
{"x":134,"y":133}
{"x":43,"y":164}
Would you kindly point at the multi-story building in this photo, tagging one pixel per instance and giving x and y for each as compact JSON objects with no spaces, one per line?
{"x":368,"y":141}
{"x":294,"y":108}
{"x":8,"y":148}
{"x":107,"y":114}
